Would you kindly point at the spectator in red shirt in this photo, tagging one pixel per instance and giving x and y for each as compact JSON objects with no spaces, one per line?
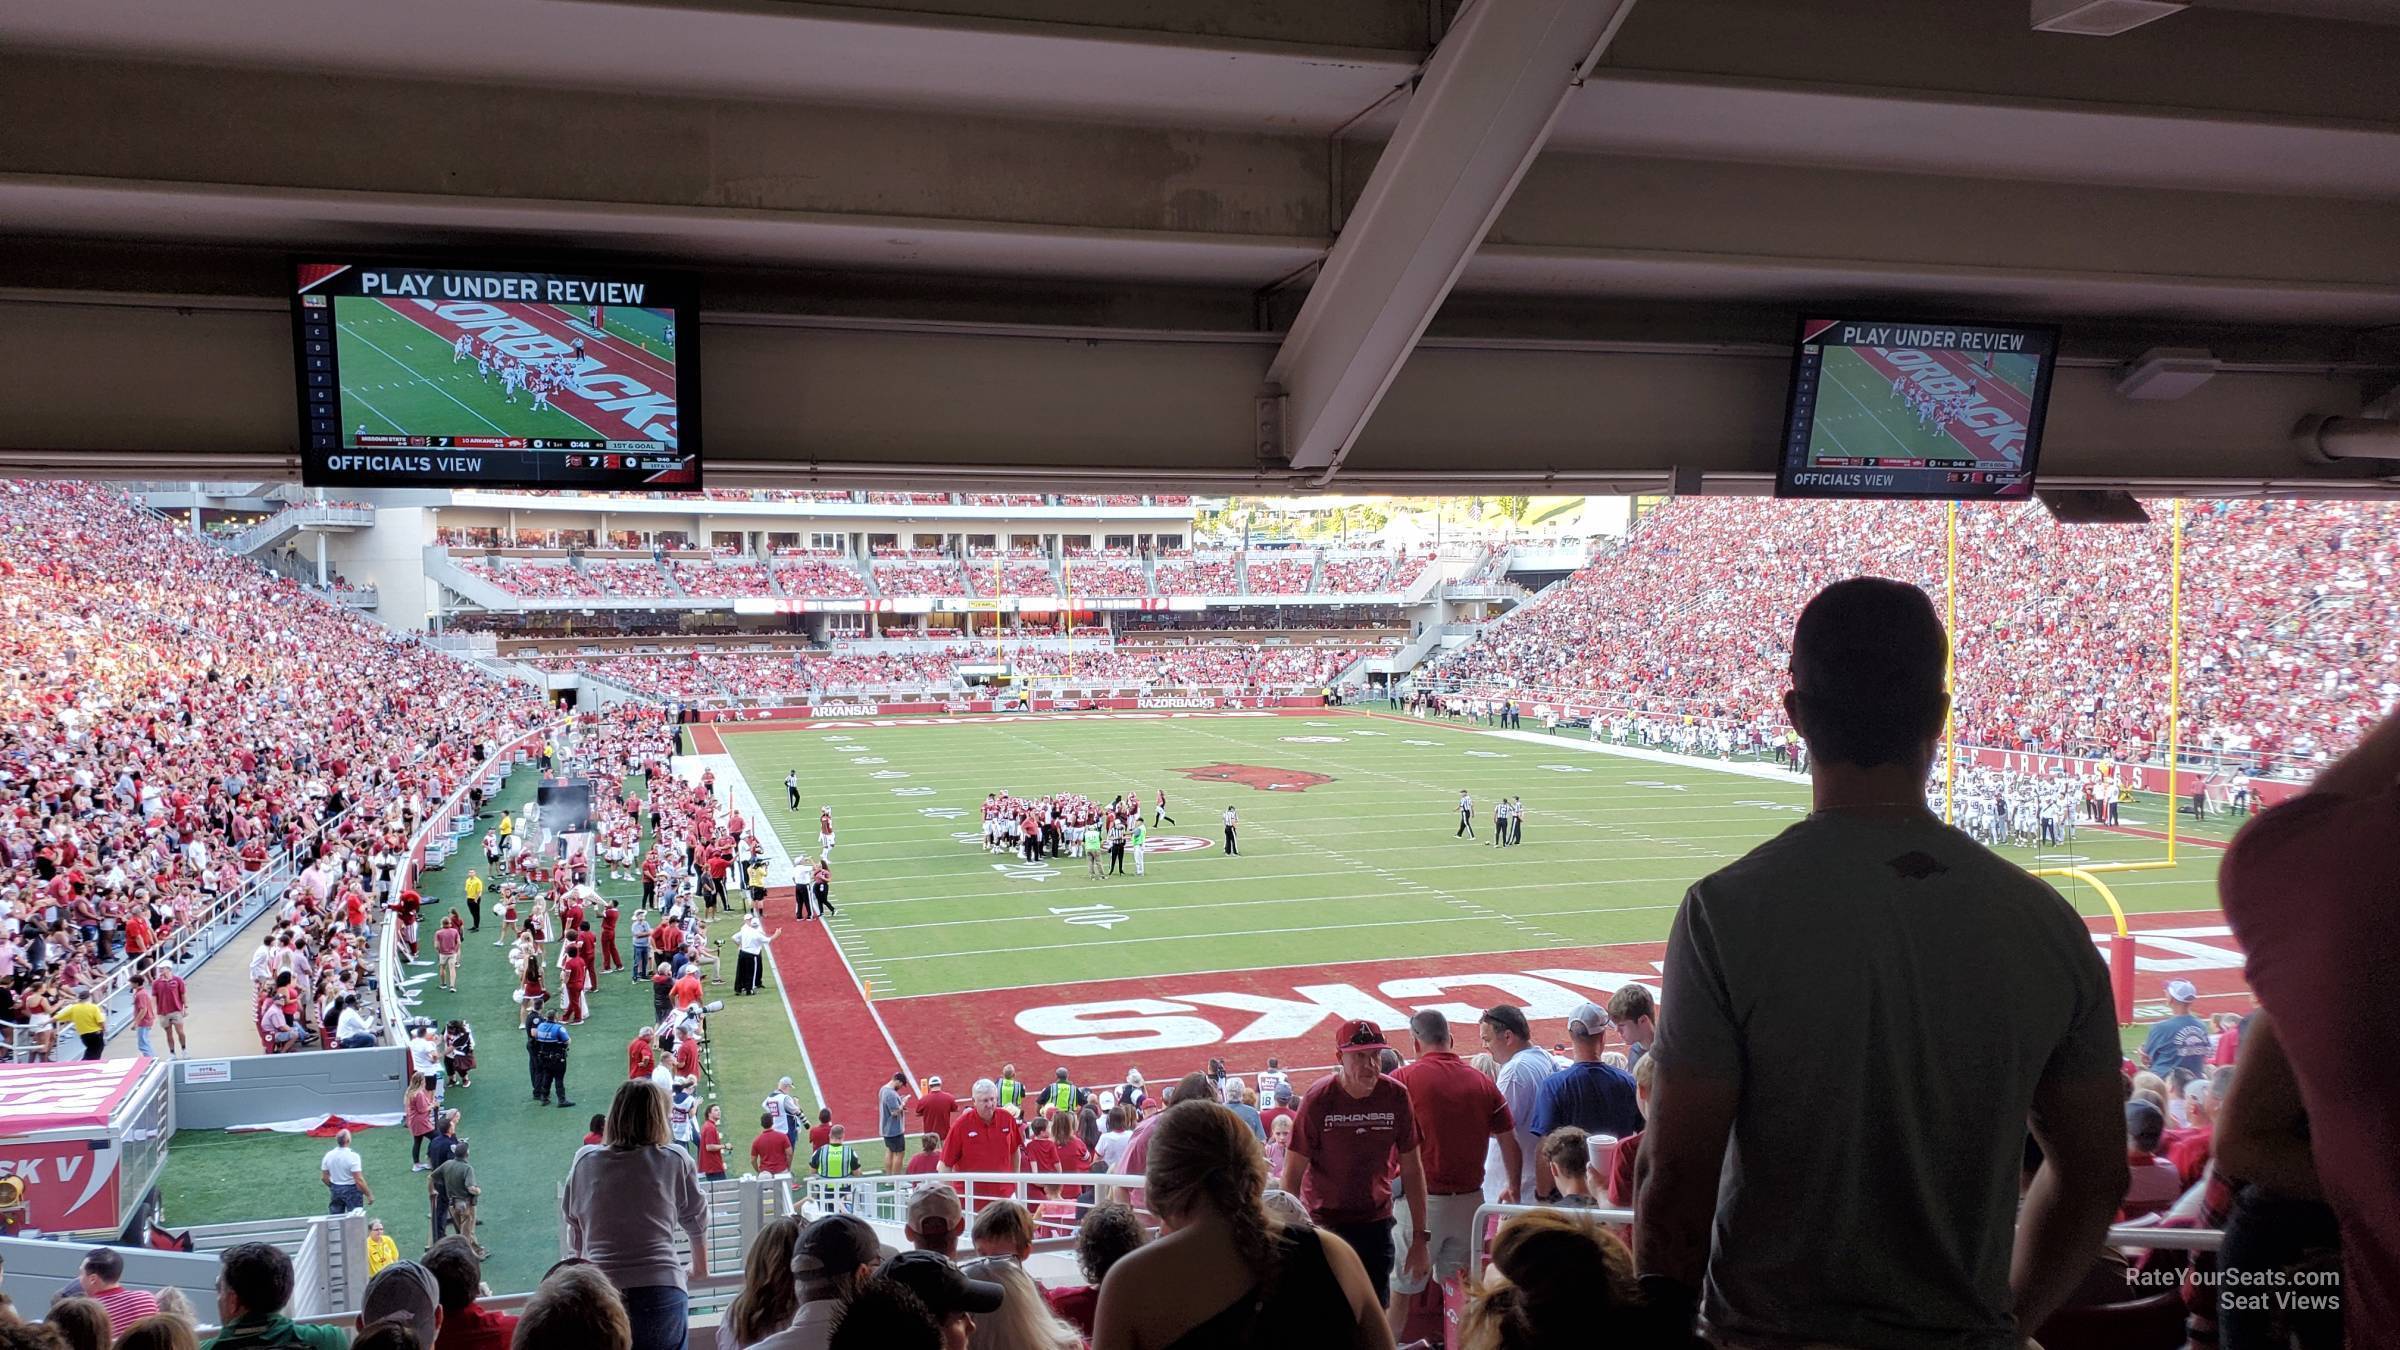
{"x":1340,"y":1160}
{"x":2308,"y":887}
{"x":1106,"y":1234}
{"x":465,"y":1325}
{"x":821,"y":1133}
{"x":167,"y":988}
{"x":687,"y":990}
{"x":101,"y":1277}
{"x":640,"y":1056}
{"x":598,"y":1129}
{"x":771,"y":1151}
{"x":2188,"y":1148}
{"x":929,"y":1156}
{"x":983,"y":1139}
{"x":934,"y":1107}
{"x":1456,"y":1109}
{"x":1629,"y":1148}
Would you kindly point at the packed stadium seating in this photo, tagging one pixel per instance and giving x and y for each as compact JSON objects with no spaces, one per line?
{"x":236,"y":713}
{"x":2291,"y":625}
{"x":819,"y":577}
{"x":1105,"y":576}
{"x":920,"y":578}
{"x":534,"y":580}
{"x":1014,"y":576}
{"x":723,"y":579}
{"x":1184,"y":572}
{"x":1279,"y":573}
{"x":1356,"y":573}
{"x":625,"y":579}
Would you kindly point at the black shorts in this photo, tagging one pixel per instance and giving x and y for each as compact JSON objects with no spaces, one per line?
{"x":1373,"y":1243}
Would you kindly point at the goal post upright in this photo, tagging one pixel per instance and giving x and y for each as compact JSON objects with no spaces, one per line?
{"x":1950,"y":670}
{"x":2174,"y":664}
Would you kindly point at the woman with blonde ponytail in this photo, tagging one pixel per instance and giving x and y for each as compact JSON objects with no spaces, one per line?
{"x":1557,"y":1282}
{"x":1226,"y":1275}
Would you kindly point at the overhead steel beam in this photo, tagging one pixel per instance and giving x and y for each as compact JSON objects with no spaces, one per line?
{"x":1480,"y":113}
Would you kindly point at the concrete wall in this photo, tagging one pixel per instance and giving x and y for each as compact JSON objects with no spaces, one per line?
{"x":38,"y":1270}
{"x":391,"y":558}
{"x":258,"y":1089}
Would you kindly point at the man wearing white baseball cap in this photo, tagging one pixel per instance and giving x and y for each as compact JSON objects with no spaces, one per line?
{"x":2179,"y":1040}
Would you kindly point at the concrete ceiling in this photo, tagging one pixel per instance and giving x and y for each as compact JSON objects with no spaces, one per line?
{"x":1179,"y":169}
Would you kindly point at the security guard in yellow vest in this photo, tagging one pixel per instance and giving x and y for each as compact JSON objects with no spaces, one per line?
{"x":1012,"y":1092}
{"x":1062,"y":1094}
{"x":836,"y":1162}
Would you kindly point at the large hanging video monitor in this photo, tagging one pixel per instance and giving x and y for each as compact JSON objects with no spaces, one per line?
{"x":1901,"y":409}
{"x":469,"y":375}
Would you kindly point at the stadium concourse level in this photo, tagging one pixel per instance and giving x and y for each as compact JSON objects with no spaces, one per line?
{"x":693,"y":677}
{"x":2291,"y":621}
{"x":553,"y":574}
{"x":177,"y":722}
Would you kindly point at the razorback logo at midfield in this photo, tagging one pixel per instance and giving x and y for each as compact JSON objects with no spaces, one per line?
{"x":1258,"y":777}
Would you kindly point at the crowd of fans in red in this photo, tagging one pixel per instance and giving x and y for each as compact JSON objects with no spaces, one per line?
{"x":174,"y":721}
{"x":2290,"y":632}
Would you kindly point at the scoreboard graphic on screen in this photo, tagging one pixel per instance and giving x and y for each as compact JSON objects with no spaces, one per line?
{"x":1885,"y":409}
{"x":416,"y":375}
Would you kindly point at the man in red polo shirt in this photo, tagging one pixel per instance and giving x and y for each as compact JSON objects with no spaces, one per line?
{"x":771,"y":1151}
{"x":1456,"y":1109}
{"x":983,"y":1139}
{"x":935,"y":1107}
{"x":640,"y":1055}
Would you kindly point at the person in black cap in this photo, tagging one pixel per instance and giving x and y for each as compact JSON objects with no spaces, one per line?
{"x":948,"y":1294}
{"x":832,"y":1260}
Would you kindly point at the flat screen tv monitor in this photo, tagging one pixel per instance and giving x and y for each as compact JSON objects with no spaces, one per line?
{"x":1883,"y":408}
{"x":459,"y":375}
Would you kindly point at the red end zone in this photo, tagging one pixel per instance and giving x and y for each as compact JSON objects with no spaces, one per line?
{"x":1170,"y":1025}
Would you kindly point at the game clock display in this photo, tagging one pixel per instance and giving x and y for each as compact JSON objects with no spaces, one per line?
{"x":439,"y":375}
{"x":1900,"y":409}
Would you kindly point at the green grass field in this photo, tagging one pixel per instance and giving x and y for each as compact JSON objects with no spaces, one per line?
{"x":1857,"y":414}
{"x":399,"y":378}
{"x":1610,"y":845}
{"x":521,"y":1150}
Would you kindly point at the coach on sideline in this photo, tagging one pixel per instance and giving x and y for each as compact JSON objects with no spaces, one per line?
{"x":1911,"y":1151}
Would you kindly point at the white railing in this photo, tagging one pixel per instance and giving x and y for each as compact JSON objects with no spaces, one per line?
{"x":2121,"y":1235}
{"x":882,"y":1197}
{"x":388,"y":967}
{"x":245,"y":542}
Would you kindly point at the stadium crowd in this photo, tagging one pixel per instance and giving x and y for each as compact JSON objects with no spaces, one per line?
{"x":175,"y":722}
{"x":1184,"y":572}
{"x":920,"y":578}
{"x":819,"y":577}
{"x":1278,"y":574}
{"x":723,"y":579}
{"x":2291,"y":621}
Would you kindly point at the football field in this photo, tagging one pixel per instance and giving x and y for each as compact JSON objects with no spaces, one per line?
{"x":401,"y":376}
{"x":1859,"y":415}
{"x":1352,"y":895}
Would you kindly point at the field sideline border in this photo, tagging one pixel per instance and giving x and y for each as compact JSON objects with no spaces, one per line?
{"x":1755,"y":771}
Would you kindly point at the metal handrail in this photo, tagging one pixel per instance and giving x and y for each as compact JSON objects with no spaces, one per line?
{"x":2120,"y":1235}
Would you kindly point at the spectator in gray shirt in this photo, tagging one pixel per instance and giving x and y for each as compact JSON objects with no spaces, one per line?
{"x":625,"y":1199}
{"x":891,"y":1110}
{"x":1819,"y":1151}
